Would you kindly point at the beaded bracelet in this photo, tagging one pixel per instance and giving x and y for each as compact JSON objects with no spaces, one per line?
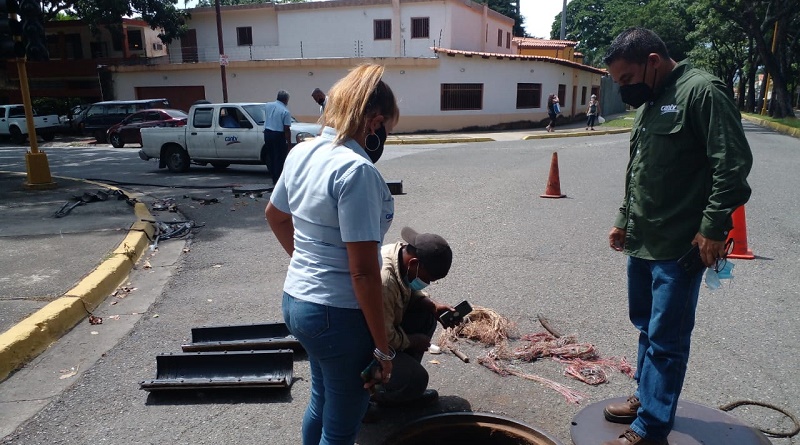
{"x":384,"y":357}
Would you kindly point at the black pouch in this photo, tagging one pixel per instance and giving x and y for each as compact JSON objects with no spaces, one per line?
{"x":691,"y":261}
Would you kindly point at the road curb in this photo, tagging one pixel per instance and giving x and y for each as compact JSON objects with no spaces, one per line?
{"x":785,"y":129}
{"x":398,"y":140}
{"x":576,"y":134}
{"x":31,"y":336}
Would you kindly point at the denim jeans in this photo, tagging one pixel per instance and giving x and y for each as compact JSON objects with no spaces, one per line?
{"x":409,"y":378}
{"x":662,"y":300}
{"x":339,"y":347}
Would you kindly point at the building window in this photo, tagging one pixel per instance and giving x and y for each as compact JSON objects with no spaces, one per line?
{"x":562,"y":95}
{"x":135,"y":39}
{"x":383,"y":29}
{"x":244,"y":36}
{"x":420,"y":27}
{"x":529,"y":95}
{"x":462,"y":96}
{"x":508,"y":40}
{"x":499,"y":37}
{"x":583,"y":95}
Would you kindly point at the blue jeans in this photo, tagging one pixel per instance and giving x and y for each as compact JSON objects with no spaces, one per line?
{"x":662,"y":300}
{"x":339,"y":347}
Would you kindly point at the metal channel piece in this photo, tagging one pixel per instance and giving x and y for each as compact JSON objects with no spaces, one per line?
{"x":214,"y":370}
{"x":242,"y":338}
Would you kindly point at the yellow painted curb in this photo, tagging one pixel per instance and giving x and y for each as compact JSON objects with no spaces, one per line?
{"x":785,"y":129}
{"x":567,"y":134}
{"x":31,"y":336}
{"x":444,"y":140}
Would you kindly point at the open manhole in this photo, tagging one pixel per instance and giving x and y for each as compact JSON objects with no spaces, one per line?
{"x":467,"y":428}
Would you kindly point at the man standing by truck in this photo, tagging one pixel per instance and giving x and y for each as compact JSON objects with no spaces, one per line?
{"x":277,"y":134}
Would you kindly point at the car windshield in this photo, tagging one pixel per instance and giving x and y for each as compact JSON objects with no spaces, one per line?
{"x":257,"y":112}
{"x":177,"y":114}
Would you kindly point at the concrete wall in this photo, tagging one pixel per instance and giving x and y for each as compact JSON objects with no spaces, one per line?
{"x":415,"y":82}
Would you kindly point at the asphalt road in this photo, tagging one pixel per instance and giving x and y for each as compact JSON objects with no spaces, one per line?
{"x":514,"y":252}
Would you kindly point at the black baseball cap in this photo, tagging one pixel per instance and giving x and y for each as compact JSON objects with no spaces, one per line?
{"x":432,"y":251}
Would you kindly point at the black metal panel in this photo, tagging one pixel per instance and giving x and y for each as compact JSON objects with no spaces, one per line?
{"x":243,"y":338}
{"x":208,"y":370}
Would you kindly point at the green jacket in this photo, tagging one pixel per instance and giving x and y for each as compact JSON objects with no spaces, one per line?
{"x":688,"y":166}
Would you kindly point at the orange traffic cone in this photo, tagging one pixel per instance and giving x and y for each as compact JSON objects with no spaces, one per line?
{"x":739,"y":236}
{"x":553,"y":189}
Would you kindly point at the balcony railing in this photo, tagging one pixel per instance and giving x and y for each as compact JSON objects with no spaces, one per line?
{"x":301,"y":50}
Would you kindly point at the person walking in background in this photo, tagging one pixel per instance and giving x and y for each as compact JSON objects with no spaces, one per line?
{"x":592,"y":112}
{"x":330,"y":210}
{"x":320,"y":98}
{"x":552,"y":111}
{"x":687,"y":173}
{"x":277,"y":133}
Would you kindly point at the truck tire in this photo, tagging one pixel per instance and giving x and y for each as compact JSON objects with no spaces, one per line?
{"x":16,"y":135}
{"x":48,"y":137}
{"x":177,"y":160}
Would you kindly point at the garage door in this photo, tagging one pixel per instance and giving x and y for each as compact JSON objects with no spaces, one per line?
{"x":180,"y":97}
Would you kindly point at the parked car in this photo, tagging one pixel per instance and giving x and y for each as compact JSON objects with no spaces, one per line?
{"x":101,"y":116}
{"x":70,"y":122}
{"x":14,"y":124}
{"x":216,"y":134}
{"x":127,"y":131}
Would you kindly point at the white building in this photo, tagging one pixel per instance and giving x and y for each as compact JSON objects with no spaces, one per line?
{"x":453,"y":64}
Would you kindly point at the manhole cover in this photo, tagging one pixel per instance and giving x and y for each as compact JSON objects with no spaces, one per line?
{"x":469,"y":428}
{"x":694,"y":425}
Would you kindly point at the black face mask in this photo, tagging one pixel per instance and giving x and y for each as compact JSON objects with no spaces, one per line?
{"x":638,"y":93}
{"x":375,"y":153}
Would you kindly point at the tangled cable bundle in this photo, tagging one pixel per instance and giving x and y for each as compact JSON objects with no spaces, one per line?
{"x":483,"y":325}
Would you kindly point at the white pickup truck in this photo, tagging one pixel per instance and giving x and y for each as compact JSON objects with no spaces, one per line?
{"x":13,"y":123}
{"x":216,"y":134}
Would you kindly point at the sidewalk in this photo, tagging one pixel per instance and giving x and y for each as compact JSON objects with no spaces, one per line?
{"x":55,"y":270}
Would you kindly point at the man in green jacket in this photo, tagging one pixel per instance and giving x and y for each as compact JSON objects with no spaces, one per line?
{"x":687,"y":173}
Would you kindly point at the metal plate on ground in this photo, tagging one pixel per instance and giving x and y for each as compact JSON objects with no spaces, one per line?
{"x":252,"y":188}
{"x":694,"y":425}
{"x":242,"y":338}
{"x":214,"y":370}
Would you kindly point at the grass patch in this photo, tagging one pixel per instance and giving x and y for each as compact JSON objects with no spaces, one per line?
{"x":788,"y":121}
{"x":624,"y":120}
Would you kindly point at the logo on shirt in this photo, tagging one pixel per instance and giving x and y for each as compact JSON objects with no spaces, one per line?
{"x":669,"y":109}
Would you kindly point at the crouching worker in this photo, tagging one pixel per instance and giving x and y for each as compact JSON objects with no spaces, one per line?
{"x":410,"y":315}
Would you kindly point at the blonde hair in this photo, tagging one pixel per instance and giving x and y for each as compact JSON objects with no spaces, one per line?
{"x":355,"y":97}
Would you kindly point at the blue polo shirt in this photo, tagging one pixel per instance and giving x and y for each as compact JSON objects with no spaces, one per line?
{"x":335,"y":195}
{"x":276,"y":116}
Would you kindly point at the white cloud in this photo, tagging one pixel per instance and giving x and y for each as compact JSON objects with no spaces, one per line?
{"x":539,"y":16}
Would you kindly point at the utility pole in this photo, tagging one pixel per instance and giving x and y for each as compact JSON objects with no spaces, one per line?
{"x":21,"y":40}
{"x":766,"y":87}
{"x":564,"y":21}
{"x":223,"y":59}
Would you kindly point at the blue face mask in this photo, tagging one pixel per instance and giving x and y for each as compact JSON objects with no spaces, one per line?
{"x":417,"y":284}
{"x":713,"y":277}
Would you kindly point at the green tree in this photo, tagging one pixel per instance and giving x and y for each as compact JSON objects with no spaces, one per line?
{"x":157,"y":13}
{"x":760,"y":19}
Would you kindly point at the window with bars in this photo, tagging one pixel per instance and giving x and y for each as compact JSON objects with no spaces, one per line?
{"x":583,"y":95}
{"x":383,"y":29}
{"x":462,"y":96}
{"x":508,"y":40}
{"x":244,"y":36}
{"x":529,"y":95}
{"x":499,"y":37}
{"x":420,"y":27}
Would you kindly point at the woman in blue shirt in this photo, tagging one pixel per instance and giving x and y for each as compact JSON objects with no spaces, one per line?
{"x":330,"y":211}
